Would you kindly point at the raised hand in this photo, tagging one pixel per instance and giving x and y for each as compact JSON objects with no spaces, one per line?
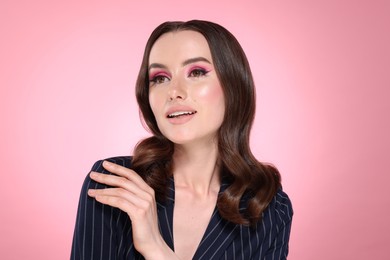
{"x":130,"y":193}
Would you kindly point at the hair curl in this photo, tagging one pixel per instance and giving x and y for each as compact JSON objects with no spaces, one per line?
{"x":249,"y":178}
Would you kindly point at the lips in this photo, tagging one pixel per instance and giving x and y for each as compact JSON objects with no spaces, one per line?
{"x":180,"y":113}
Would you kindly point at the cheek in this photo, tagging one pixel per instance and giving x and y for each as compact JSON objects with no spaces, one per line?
{"x":154,"y":102}
{"x":212,"y":100}
{"x":210,"y":93}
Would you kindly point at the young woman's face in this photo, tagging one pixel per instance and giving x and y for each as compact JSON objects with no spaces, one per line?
{"x":184,"y":91}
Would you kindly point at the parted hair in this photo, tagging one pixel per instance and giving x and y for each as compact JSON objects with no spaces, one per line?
{"x":251,"y":181}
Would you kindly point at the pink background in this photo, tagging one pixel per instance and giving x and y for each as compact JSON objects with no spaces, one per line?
{"x":322,"y":69}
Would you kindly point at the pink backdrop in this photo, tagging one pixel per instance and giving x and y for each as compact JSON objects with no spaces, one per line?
{"x":322,"y":68}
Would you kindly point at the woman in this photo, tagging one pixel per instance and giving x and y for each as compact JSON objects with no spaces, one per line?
{"x":193,"y":190}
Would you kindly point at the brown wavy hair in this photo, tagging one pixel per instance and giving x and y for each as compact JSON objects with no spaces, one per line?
{"x":250,"y":179}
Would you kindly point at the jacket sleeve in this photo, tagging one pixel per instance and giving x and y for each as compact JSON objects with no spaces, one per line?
{"x":101,"y":231}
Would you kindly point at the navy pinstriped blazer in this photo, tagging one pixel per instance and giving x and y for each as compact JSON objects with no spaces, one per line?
{"x":104,"y":232}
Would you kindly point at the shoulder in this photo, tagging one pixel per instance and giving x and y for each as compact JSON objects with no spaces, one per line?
{"x":124,"y":161}
{"x":280,"y":209}
{"x":95,"y":222}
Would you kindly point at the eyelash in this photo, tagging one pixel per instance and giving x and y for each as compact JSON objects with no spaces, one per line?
{"x":202,"y":72}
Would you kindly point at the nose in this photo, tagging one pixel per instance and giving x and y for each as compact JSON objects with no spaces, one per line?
{"x":177,"y":89}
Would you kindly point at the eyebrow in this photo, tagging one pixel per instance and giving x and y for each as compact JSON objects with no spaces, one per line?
{"x":185,"y":63}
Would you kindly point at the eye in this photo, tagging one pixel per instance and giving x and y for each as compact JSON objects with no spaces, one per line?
{"x":198,"y":72}
{"x":159,"y":79}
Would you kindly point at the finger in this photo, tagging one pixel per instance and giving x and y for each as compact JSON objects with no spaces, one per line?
{"x":122,"y":199}
{"x":116,"y":192}
{"x":117,"y":181}
{"x":124,"y":172}
{"x":117,"y":202}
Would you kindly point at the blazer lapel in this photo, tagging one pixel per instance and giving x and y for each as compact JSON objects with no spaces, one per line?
{"x":165,"y":215}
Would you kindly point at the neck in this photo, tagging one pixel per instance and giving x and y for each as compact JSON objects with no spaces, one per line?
{"x":196,"y":168}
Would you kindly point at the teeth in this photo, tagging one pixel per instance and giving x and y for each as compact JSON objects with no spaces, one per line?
{"x":180,"y":113}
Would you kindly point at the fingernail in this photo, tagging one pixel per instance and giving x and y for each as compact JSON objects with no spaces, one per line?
{"x":107,"y":164}
{"x":91,"y":192}
{"x":93,"y":175}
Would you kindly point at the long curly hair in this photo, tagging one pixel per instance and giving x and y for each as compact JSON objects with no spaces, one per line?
{"x":250,"y":179}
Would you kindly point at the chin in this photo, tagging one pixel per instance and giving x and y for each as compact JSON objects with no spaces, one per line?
{"x":190,"y":141}
{"x":181,"y":141}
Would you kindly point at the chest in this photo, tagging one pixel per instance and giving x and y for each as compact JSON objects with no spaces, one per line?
{"x":191,"y":218}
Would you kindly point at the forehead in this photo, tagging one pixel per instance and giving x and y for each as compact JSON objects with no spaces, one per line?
{"x":179,"y":45}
